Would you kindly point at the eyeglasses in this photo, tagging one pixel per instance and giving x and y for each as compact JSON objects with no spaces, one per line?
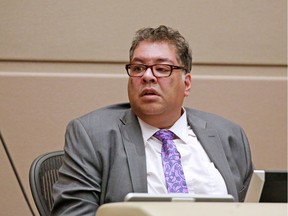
{"x":158,"y":70}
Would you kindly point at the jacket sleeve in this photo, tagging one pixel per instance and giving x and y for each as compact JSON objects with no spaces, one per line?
{"x":248,"y":167}
{"x":79,"y":185}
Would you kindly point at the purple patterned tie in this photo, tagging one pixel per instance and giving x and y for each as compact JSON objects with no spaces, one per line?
{"x":171,"y":162}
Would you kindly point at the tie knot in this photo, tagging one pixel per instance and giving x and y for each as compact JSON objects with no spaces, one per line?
{"x":164,"y":135}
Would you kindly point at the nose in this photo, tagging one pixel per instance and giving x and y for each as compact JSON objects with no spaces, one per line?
{"x":148,"y":76}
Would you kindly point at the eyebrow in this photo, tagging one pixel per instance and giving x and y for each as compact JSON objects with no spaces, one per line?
{"x":157,"y":60}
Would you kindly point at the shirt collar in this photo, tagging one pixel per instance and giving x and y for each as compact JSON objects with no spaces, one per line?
{"x":147,"y":130}
{"x":179,"y":128}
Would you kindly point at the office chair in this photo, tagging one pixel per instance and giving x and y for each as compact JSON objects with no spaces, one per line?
{"x":42,"y":175}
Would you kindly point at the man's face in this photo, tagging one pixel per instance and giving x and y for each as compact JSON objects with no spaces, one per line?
{"x":157,"y":101}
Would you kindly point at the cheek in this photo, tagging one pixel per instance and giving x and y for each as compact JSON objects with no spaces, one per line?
{"x":173,"y":91}
{"x":180,"y":91}
{"x":132,"y":84}
{"x":129,"y":87}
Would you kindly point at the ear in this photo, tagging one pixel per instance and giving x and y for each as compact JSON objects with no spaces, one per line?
{"x":187,"y":82}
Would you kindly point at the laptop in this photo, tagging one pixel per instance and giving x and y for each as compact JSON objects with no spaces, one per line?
{"x":267,"y":186}
{"x":176,"y":197}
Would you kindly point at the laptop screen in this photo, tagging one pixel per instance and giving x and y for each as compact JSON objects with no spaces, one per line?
{"x":178,"y":197}
{"x":275,"y":187}
{"x":267,"y":186}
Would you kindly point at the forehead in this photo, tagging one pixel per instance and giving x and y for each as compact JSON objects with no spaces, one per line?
{"x":155,"y":51}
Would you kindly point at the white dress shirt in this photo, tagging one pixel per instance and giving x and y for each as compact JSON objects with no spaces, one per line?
{"x":200,"y":173}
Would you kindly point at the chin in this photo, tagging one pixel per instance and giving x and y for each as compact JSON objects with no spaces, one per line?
{"x":151,"y":109}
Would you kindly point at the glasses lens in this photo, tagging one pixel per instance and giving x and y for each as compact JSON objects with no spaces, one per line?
{"x":136,"y":70}
{"x":161,"y":70}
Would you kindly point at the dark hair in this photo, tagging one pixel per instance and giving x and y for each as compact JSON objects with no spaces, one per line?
{"x":166,"y":34}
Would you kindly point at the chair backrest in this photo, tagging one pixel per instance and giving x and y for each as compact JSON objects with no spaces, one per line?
{"x":43,"y":174}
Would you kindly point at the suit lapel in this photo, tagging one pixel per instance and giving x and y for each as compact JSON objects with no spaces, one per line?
{"x":212,"y":145}
{"x":135,"y":150}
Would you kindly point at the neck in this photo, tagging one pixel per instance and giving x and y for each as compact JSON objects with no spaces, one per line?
{"x":161,"y":122}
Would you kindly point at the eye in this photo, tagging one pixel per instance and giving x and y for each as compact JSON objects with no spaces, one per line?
{"x":137,"y":68}
{"x":161,"y":68}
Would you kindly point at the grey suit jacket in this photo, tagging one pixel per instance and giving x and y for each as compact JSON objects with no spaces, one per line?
{"x":105,"y":158}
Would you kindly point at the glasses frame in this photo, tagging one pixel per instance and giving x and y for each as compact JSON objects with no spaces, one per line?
{"x":173,"y":67}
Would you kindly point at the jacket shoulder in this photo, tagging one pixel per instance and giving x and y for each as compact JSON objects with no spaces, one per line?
{"x":211,"y":118}
{"x":107,"y":114}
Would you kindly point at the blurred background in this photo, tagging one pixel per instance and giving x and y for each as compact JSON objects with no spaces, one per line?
{"x":62,"y":59}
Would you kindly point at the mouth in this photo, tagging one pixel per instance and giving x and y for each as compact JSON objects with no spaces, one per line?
{"x":149,"y":93}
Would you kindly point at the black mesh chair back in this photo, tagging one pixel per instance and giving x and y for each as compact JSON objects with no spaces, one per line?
{"x":43,"y":174}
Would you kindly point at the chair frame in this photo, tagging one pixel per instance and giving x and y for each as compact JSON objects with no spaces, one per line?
{"x":36,"y":183}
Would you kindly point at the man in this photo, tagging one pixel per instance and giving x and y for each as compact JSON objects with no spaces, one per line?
{"x":116,"y":150}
